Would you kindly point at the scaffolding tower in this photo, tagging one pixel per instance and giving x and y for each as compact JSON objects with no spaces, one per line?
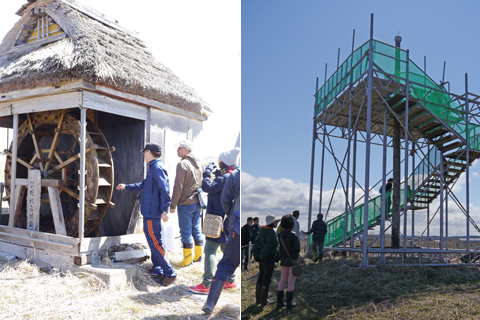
{"x":379,"y":94}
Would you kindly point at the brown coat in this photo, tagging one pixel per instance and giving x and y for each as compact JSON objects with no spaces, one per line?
{"x":186,"y":186}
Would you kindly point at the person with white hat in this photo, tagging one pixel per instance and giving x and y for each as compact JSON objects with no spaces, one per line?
{"x":266,"y":252}
{"x":188,"y":180}
{"x":228,"y":163}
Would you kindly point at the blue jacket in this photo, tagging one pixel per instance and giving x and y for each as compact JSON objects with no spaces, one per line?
{"x":231,"y":200}
{"x":156,"y":190}
{"x":214,"y":206}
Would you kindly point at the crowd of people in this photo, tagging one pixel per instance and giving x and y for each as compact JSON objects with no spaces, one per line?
{"x":191,"y":179}
{"x":282,"y":245}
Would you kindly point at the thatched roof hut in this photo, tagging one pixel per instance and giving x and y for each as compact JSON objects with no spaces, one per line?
{"x":88,"y":46}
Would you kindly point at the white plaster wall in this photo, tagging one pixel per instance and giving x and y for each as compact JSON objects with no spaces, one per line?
{"x":167,"y":129}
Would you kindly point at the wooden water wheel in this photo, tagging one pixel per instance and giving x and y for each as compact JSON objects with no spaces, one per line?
{"x":49,"y":142}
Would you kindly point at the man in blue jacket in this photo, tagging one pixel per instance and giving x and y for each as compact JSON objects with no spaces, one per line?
{"x":154,"y":207}
{"x":231,"y":257}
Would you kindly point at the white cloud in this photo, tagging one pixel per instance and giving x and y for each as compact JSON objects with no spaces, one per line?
{"x":263,"y":196}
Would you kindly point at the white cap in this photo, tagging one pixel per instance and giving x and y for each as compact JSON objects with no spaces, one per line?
{"x":185,"y":144}
{"x":270,"y":219}
{"x":230,"y":157}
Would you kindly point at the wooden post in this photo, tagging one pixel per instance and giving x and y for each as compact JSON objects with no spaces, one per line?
{"x":19,"y":195}
{"x":33,"y":200}
{"x":57,"y":212}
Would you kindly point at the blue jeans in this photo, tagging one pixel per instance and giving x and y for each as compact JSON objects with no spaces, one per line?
{"x":189,"y":222}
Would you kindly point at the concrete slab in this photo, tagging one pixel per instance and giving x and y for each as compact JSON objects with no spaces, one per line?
{"x":7,"y":256}
{"x":116,"y":275}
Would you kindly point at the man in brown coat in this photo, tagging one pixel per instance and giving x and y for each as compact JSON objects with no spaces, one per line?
{"x":188,"y":180}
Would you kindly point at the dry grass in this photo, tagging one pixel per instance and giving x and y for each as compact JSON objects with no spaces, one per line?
{"x":337,"y":289}
{"x":28,"y":292}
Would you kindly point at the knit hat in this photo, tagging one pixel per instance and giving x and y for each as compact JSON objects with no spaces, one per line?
{"x":270,"y":219}
{"x":230,"y":157}
{"x":185,"y":144}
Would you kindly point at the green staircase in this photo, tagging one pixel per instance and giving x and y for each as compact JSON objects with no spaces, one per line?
{"x":433,"y":115}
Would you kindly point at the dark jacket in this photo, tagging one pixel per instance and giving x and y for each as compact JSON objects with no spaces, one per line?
{"x":293,"y":245}
{"x":156,"y":190}
{"x":254,"y":229}
{"x":231,"y":200}
{"x":266,"y":244}
{"x":245,"y":235}
{"x":319,"y":230}
{"x":214,"y":206}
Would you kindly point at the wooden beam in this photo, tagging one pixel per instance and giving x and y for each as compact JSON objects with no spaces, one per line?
{"x":19,"y":160}
{"x":35,"y":141}
{"x":73,"y":194}
{"x":20,"y":195}
{"x":57,"y":212}
{"x":43,"y":182}
{"x":56,"y":138}
{"x":70,"y":160}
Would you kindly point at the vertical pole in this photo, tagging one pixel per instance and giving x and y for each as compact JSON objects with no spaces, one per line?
{"x":367,"y":149}
{"x":345,"y":220}
{"x":81,"y":213}
{"x":384,"y":213}
{"x":467,"y":170}
{"x":405,"y":187}
{"x":148,"y":126}
{"x":428,"y":226}
{"x":314,"y":137}
{"x":396,"y":166}
{"x":13,"y":173}
{"x":323,"y":156}
{"x":354,"y":167}
{"x":413,"y":188}
{"x":446,"y":219}
{"x":441,"y":203}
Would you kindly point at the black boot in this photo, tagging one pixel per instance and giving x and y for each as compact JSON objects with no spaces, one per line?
{"x":290,"y":304}
{"x":320,"y":257}
{"x":213,"y":295}
{"x":258,"y":292}
{"x":264,"y":296}
{"x":279,"y":299}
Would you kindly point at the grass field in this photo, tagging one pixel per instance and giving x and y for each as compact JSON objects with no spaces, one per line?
{"x":27,"y":292}
{"x":336,"y":288}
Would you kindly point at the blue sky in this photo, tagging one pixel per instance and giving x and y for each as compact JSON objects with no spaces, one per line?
{"x":285,"y":46}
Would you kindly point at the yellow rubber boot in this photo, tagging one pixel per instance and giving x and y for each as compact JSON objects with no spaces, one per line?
{"x":187,"y":255}
{"x":198,"y":251}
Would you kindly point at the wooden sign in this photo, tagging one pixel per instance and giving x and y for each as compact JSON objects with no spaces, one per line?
{"x":33,"y":200}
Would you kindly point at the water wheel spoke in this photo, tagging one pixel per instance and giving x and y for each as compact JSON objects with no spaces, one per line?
{"x":26,"y":164}
{"x":56,"y":138}
{"x":76,"y":196}
{"x":33,"y":132}
{"x":69,"y":161}
{"x":57,"y":156}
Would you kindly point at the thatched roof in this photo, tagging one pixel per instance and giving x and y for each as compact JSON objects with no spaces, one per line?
{"x":95,"y":49}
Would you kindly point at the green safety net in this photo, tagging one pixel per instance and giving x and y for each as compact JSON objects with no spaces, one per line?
{"x":391,"y":62}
